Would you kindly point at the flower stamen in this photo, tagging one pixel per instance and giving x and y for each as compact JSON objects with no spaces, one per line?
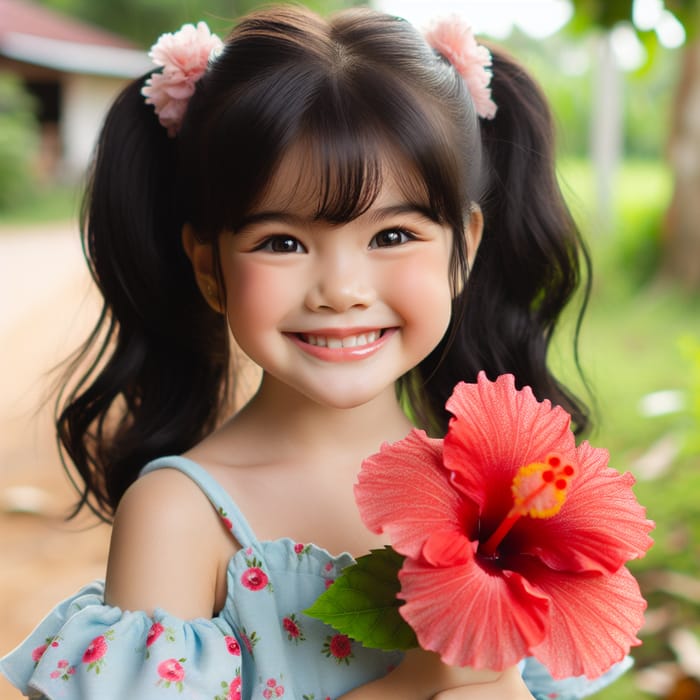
{"x":539,"y":491}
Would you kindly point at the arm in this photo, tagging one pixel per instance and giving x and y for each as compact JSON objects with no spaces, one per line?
{"x":422,"y":676}
{"x":508,"y":685}
{"x":165,"y":548}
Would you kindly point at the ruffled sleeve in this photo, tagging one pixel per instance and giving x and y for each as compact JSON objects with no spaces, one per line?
{"x":86,"y":649}
{"x":544,"y":687}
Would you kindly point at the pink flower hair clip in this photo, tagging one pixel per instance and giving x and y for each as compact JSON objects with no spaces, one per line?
{"x":184,"y":56}
{"x":454,"y":39}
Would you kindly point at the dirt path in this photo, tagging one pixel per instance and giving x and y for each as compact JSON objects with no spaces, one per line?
{"x":46,"y":309}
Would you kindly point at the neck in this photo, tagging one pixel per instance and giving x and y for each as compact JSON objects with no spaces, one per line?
{"x":297,"y":424}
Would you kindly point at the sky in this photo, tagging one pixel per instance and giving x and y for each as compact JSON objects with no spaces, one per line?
{"x":538,"y":18}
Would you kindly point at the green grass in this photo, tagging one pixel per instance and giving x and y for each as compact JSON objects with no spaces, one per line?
{"x":630,"y":347}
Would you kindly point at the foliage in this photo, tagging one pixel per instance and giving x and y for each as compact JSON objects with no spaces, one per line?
{"x":606,"y":14}
{"x":647,"y":94}
{"x":46,"y":203}
{"x":143,"y":20}
{"x":18,"y":140}
{"x":690,"y":350}
{"x":569,"y":92}
{"x":363,"y":603}
{"x":643,"y":191}
{"x":600,"y":13}
{"x":630,"y":348}
{"x":688,"y":12}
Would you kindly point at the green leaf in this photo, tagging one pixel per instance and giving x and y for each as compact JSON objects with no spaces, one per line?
{"x":362,"y":603}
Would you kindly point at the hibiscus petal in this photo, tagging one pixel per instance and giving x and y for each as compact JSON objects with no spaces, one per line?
{"x":594,"y":620}
{"x":600,"y":527}
{"x":447,"y":549}
{"x":471,"y":616}
{"x":404,"y":491}
{"x":497,"y":429}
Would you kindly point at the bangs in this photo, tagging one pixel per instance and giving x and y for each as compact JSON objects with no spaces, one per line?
{"x":336,"y":179}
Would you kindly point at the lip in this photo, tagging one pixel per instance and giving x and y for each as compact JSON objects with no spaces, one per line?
{"x":349,"y":354}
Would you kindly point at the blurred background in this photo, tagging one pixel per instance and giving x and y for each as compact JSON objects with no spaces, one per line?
{"x":623,"y":78}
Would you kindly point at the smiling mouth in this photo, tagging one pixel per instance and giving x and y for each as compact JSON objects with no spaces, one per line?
{"x":350,"y":341}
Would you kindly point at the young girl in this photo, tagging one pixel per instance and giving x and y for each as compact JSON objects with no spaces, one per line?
{"x":371,"y":226}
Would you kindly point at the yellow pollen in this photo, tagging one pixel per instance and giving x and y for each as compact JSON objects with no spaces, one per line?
{"x":539,"y":491}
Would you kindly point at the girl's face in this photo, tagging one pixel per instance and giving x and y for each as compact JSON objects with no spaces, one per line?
{"x":336,"y":312}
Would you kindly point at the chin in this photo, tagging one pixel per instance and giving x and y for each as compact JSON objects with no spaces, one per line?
{"x":347,"y":399}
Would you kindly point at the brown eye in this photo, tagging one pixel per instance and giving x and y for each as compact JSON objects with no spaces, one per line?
{"x":282,"y":244}
{"x":391,"y":237}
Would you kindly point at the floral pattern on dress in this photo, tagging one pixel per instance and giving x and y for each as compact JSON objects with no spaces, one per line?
{"x":64,"y":670}
{"x":273,"y":689}
{"x":172,"y":672}
{"x":329,"y":574}
{"x":94,"y":655}
{"x":234,"y":648}
{"x":249,"y":640}
{"x":293,"y":628}
{"x":254,"y":577}
{"x":156,"y":631}
{"x":39,"y":651}
{"x":338,"y":647}
{"x":232,"y":690}
{"x":301,"y":550}
{"x":225,"y":519}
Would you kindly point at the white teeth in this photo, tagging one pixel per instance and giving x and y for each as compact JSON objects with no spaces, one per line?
{"x":350,"y":341}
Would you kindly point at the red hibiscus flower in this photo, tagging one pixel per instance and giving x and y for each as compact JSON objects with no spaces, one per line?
{"x":96,"y":650}
{"x":254,"y":579}
{"x":171,"y":670}
{"x":514,"y":539}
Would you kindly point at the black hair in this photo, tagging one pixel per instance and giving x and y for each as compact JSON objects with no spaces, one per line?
{"x":356,"y":90}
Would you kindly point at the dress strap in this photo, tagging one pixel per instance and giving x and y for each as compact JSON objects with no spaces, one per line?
{"x":225,"y":506}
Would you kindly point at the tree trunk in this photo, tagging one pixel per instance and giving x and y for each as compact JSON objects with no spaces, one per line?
{"x":606,"y":128}
{"x":681,"y":245}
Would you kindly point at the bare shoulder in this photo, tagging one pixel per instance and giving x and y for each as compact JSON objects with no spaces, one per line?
{"x":166,"y":548}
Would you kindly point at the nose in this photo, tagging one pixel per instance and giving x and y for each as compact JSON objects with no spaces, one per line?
{"x":341,"y":282}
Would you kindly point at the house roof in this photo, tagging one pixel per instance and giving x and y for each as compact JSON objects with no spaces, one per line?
{"x":26,"y":17}
{"x":35,"y":34}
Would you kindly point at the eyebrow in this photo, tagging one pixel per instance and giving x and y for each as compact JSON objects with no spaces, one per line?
{"x":374,"y":217}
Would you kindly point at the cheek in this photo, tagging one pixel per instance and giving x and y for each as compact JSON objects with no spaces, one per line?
{"x":422,"y":288}
{"x":255,"y":296}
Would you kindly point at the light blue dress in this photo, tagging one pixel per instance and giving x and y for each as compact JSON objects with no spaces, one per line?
{"x":260,"y":645}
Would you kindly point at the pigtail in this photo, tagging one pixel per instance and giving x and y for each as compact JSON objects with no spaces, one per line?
{"x":529,"y":263}
{"x":149,"y":379}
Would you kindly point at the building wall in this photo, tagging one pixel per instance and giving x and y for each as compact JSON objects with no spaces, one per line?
{"x":85,"y":100}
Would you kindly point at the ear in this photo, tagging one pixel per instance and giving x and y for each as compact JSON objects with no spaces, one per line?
{"x":473,"y":231}
{"x":201,"y":255}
